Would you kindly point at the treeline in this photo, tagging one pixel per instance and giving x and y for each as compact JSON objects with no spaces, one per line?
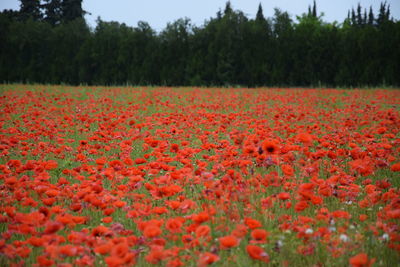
{"x":50,"y":42}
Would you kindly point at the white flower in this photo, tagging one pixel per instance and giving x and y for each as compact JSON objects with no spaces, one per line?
{"x":309,"y":231}
{"x":344,"y":238}
{"x":385,"y":237}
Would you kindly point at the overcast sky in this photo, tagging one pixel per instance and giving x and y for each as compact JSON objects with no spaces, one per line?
{"x":159,"y":12}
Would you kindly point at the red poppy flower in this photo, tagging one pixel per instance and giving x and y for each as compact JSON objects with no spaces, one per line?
{"x":395,"y":167}
{"x":283,"y":196}
{"x":252,"y":223}
{"x":259,"y":235}
{"x":270,"y":146}
{"x":257,"y":253}
{"x":361,"y":260}
{"x":300,"y":206}
{"x":202,"y":231}
{"x":287,"y":170}
{"x":206,"y":259}
{"x":174,"y":225}
{"x":152,"y":231}
{"x":228,"y":242}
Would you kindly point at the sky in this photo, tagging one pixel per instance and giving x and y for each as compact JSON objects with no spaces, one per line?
{"x":159,"y":12}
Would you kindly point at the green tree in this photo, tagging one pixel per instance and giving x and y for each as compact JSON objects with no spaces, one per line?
{"x":175,"y":46}
{"x":371,"y":17}
{"x":107,"y":54}
{"x":359,"y":15}
{"x":384,"y":13}
{"x":30,"y":9}
{"x":260,"y":13}
{"x":283,"y":45}
{"x":52,"y":11}
{"x":7,"y":50}
{"x":145,"y":48}
{"x":228,"y":8}
{"x":72,"y":10}
{"x":257,"y":51}
{"x":66,"y":42}
{"x":314,"y":10}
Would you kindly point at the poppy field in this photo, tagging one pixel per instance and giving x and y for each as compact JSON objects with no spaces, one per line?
{"x":123,"y":176}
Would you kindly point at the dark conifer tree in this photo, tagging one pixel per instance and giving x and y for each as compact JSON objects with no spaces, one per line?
{"x":353,"y":17}
{"x":71,"y":10}
{"x":387,"y":17}
{"x":314,"y":10}
{"x":371,"y":17}
{"x":359,"y":15}
{"x":228,"y":8}
{"x":382,"y":14}
{"x":260,"y":15}
{"x":365,"y":17}
{"x":30,"y":9}
{"x":219,"y":14}
{"x":52,"y":11}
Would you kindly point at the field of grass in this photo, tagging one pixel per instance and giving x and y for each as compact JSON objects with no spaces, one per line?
{"x":122,"y":176}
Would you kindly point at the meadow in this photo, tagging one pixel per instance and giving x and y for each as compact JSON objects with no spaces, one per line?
{"x":123,"y":176}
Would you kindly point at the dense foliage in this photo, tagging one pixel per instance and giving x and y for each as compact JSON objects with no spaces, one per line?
{"x":50,"y":42}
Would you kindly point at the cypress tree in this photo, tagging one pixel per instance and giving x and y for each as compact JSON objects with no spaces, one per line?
{"x":387,"y":16}
{"x":382,"y":14}
{"x":260,"y":15}
{"x":371,"y":18}
{"x":314,"y":10}
{"x":353,"y":17}
{"x":365,"y":17}
{"x":359,"y":15}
